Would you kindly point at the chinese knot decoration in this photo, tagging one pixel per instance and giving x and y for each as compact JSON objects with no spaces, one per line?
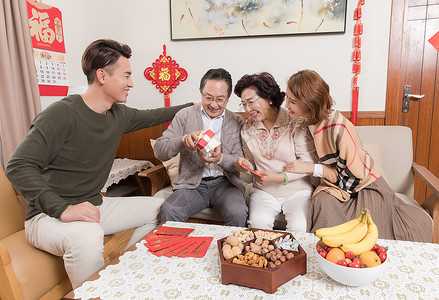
{"x":166,"y":74}
{"x":356,"y":57}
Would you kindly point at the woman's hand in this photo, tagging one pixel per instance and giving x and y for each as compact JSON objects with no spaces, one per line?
{"x":266,"y":177}
{"x":299,"y":167}
{"x":242,"y":161}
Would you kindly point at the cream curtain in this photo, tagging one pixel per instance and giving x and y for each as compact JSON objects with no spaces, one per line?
{"x":19,"y":94}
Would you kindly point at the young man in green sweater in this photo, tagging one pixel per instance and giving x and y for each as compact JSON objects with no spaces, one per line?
{"x":64,"y":161}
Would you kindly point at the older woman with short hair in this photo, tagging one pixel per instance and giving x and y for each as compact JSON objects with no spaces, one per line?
{"x":271,"y":140}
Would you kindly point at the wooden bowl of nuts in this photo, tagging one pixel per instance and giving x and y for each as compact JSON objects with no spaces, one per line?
{"x":262,"y":259}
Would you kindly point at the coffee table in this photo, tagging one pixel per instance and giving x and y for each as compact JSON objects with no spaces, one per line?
{"x":413,"y":272}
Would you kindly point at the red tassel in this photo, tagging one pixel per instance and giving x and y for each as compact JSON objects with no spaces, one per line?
{"x":167,"y":104}
{"x":354,"y":111}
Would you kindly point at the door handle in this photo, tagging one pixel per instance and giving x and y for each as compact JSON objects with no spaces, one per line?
{"x":407,"y":97}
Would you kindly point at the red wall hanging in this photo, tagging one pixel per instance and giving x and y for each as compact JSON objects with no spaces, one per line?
{"x":166,"y":74}
{"x":356,"y":57}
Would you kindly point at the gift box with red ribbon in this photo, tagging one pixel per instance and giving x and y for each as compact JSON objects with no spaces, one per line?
{"x":207,"y":141}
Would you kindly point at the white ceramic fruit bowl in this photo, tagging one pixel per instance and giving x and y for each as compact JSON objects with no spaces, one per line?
{"x":351,"y":276}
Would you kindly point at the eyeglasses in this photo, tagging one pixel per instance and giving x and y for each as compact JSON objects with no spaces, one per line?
{"x":210,"y":99}
{"x":249,"y":103}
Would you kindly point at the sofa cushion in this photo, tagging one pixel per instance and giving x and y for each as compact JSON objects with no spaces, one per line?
{"x":374,"y":150}
{"x":396,"y":153}
{"x":170,"y":165}
{"x":47,"y":270}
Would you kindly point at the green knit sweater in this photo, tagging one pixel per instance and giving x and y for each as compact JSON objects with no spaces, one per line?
{"x":67,"y":155}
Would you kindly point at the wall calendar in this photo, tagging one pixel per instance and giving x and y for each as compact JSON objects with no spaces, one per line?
{"x":45,"y":25}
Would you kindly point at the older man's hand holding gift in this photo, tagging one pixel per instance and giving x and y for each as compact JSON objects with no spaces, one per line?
{"x":206,"y":144}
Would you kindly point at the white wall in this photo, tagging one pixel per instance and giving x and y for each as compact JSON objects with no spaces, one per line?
{"x":145,"y":26}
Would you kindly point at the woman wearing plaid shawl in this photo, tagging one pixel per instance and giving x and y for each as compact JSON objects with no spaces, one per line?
{"x":350,"y":180}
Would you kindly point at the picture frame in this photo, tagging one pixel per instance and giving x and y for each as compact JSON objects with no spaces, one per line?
{"x":209,"y":19}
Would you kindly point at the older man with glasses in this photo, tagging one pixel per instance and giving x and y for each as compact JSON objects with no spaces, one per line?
{"x":210,"y":180}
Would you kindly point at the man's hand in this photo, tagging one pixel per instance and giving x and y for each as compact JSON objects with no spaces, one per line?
{"x":215,"y":155}
{"x":299,"y":167}
{"x":84,"y":211}
{"x":190,"y":140}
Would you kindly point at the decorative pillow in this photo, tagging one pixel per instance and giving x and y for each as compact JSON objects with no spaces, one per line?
{"x":171,"y":165}
{"x":374,"y":151}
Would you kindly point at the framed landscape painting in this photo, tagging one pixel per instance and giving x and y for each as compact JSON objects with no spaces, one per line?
{"x":203,"y":19}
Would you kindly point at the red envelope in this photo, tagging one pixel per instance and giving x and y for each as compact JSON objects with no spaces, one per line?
{"x":164,"y":238}
{"x":164,"y":251}
{"x":173,"y":250}
{"x":153,"y":236}
{"x":164,"y":230}
{"x":197,"y":241}
{"x":201,"y":250}
{"x":252,"y":171}
{"x":166,"y":244}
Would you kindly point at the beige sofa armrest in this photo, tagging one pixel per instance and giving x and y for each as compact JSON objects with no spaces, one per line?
{"x":156,"y":178}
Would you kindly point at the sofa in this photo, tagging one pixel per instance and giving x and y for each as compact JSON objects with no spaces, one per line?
{"x":390,"y":146}
{"x":25,"y":271}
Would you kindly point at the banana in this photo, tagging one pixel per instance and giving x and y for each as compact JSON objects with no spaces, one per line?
{"x":342,"y":228}
{"x":352,"y":236}
{"x":367,"y":243}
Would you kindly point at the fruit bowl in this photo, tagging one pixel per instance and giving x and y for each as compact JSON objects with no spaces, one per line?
{"x":351,"y":276}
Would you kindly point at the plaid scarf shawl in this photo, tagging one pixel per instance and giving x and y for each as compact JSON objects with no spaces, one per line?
{"x":347,"y":167}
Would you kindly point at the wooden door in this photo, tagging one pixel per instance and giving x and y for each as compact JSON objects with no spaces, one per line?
{"x":414,"y":61}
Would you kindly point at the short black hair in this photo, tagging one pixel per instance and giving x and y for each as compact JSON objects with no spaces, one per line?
{"x":218,"y":74}
{"x":265,"y":86}
{"x":100,"y":54}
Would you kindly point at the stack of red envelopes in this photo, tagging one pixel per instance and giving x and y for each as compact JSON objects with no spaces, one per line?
{"x":173,"y":241}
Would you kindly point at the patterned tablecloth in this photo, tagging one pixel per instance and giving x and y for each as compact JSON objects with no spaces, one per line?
{"x":413,"y":273}
{"x":124,"y":167}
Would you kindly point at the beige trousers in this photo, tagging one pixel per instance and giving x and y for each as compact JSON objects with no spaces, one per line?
{"x":81,"y":243}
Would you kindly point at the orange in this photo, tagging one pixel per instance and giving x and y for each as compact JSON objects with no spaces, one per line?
{"x":335,"y":255}
{"x":370,"y":259}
